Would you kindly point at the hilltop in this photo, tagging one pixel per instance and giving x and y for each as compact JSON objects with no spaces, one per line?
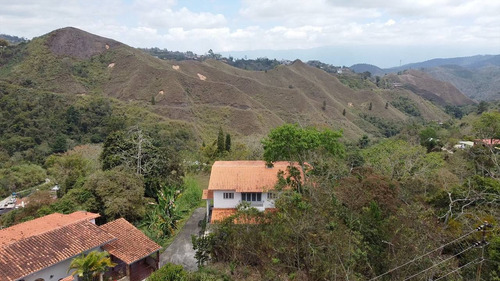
{"x":208,"y":94}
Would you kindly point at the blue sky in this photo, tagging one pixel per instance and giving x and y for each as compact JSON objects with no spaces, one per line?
{"x":340,"y":32}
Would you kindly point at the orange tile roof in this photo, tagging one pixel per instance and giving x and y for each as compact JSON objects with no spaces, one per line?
{"x":31,"y":254}
{"x":41,"y":225}
{"x":69,"y":278}
{"x":245,"y":176}
{"x":131,"y":245}
{"x":220,"y":214}
{"x":207,"y":194}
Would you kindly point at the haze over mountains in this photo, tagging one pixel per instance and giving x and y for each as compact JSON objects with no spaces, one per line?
{"x":478,"y":77}
{"x":208,"y":94}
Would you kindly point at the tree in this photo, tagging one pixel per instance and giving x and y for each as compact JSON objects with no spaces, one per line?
{"x":153,"y":101}
{"x":488,"y":125}
{"x":228,"y":142}
{"x":482,"y":107}
{"x":291,"y":143}
{"x":364,"y":142}
{"x":88,"y":266}
{"x":119,"y":193}
{"x":386,"y":105}
{"x":220,"y":141}
{"x":157,"y":162}
{"x":59,"y":145}
{"x":324,"y":106}
{"x":4,"y":43}
{"x":343,"y":112}
{"x":370,"y":107}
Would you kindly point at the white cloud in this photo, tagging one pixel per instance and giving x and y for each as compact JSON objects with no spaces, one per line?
{"x":264,"y":24}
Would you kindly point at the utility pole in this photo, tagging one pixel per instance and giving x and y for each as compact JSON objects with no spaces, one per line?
{"x":483,"y":243}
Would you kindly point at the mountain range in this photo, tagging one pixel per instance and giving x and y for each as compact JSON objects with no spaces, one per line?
{"x":478,"y":77}
{"x":210,"y":94}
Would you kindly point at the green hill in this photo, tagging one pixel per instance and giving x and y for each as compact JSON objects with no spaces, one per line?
{"x":206,"y":94}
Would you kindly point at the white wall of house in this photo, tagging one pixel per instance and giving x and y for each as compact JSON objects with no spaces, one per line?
{"x":57,"y":271}
{"x":220,"y":202}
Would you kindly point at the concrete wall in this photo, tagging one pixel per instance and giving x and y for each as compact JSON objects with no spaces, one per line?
{"x":57,"y":271}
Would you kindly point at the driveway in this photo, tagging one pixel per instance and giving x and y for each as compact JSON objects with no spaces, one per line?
{"x":181,"y":250}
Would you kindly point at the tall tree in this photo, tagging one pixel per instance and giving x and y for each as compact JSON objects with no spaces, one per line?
{"x":91,"y":265}
{"x":228,"y":142}
{"x":220,"y":141}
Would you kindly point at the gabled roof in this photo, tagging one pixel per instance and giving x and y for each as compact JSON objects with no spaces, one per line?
{"x":41,"y":225}
{"x":36,"y":252}
{"x":131,"y":245}
{"x":244,"y":176}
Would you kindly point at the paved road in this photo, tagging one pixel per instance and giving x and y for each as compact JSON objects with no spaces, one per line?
{"x":181,"y":250}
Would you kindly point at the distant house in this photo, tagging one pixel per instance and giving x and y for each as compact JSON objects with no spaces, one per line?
{"x":464,"y":144}
{"x":234,"y":182}
{"x":488,"y":142}
{"x":42,"y":249}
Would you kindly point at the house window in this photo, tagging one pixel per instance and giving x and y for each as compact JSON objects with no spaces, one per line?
{"x":271,"y":195}
{"x":251,"y":196}
{"x":228,"y":195}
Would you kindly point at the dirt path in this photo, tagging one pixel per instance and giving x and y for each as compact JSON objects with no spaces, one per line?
{"x":181,"y":250}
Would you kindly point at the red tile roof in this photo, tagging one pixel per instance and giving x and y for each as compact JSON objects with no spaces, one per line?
{"x":245,"y":176}
{"x":36,"y":252}
{"x":131,"y":245}
{"x":41,"y":225}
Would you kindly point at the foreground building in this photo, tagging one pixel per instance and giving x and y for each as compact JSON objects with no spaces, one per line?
{"x":42,"y":249}
{"x":234,"y":182}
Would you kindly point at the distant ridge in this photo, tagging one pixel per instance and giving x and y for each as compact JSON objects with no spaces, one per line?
{"x":478,"y":76}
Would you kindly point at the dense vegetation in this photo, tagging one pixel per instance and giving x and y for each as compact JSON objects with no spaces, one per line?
{"x":357,"y":214}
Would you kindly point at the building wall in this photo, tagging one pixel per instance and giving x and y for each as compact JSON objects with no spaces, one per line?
{"x":57,"y":271}
{"x":220,"y":202}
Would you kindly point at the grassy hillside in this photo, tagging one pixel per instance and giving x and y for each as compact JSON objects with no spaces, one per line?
{"x":206,"y":94}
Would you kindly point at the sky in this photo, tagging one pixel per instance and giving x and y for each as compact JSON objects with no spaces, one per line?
{"x":341,"y":32}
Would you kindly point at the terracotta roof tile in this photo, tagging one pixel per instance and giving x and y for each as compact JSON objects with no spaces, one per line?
{"x":219,"y":214}
{"x":245,"y":176}
{"x":41,"y":225}
{"x":131,"y":245}
{"x":69,"y":278}
{"x":31,"y":254}
{"x":207,"y":194}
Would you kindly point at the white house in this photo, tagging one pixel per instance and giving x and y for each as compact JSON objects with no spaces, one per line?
{"x":233,"y":182}
{"x":464,"y":144}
